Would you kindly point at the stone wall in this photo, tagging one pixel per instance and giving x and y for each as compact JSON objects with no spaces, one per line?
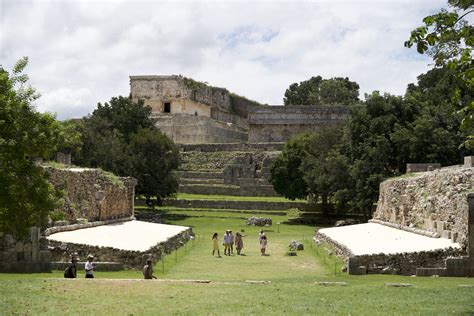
{"x":279,"y":123}
{"x":422,"y":167}
{"x":185,"y":129}
{"x":24,"y":256}
{"x":435,"y":201}
{"x":92,"y":194}
{"x":241,"y":147}
{"x":402,"y":263}
{"x":234,"y":205}
{"x":132,"y":259}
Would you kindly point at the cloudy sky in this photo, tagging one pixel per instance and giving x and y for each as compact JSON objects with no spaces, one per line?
{"x":82,"y":52}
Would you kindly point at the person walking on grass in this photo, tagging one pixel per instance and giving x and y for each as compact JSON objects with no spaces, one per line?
{"x":239,"y":243}
{"x":227,"y":240}
{"x":89,"y":267}
{"x":215,"y":245}
{"x":263,"y":245}
{"x":148,"y":270}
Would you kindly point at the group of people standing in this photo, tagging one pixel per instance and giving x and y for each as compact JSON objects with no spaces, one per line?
{"x":230,"y":240}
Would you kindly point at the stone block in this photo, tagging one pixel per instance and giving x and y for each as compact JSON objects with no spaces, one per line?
{"x":430,"y":272}
{"x":469,"y":161}
{"x":355,"y":268}
{"x":457,"y":267}
{"x":19,"y":247}
{"x":9,"y":256}
{"x":27,"y":256}
{"x":61,"y":223}
{"x":446,"y":234}
{"x":27,"y":247}
{"x":44,"y":256}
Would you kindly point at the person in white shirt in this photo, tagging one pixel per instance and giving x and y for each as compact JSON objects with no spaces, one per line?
{"x":89,"y":267}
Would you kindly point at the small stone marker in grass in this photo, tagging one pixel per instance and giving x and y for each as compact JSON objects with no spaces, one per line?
{"x":257,"y":282}
{"x":398,"y":284}
{"x":331,"y":283}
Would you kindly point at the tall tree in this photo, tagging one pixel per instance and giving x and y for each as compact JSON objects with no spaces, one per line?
{"x":120,"y":137}
{"x":26,"y":197}
{"x":319,"y":91}
{"x":448,"y":38}
{"x":325,"y":170}
{"x":286,"y":174}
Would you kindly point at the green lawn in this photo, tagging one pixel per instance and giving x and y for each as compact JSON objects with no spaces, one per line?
{"x":290,"y":286}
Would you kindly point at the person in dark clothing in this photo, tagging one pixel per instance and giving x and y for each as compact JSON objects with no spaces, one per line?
{"x":148,"y":270}
{"x":71,"y":270}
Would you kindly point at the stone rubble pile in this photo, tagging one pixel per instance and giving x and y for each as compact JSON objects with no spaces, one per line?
{"x":259,"y":221}
{"x":295,"y":245}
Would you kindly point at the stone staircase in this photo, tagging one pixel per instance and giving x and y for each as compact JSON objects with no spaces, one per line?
{"x":226,"y":170}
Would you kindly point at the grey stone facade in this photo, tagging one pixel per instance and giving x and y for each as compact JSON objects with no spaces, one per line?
{"x":191,"y":112}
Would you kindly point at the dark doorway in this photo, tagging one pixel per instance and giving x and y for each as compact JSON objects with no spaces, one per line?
{"x":167,"y":107}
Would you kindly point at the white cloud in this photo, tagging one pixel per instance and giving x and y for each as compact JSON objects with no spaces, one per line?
{"x":82,"y":53}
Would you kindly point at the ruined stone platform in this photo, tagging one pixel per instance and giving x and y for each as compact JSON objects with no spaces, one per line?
{"x":372,"y":238}
{"x":130,"y":236}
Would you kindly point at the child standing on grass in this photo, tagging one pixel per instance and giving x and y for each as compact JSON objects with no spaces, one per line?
{"x":215,"y":245}
{"x":263,"y":244}
{"x":239,"y":243}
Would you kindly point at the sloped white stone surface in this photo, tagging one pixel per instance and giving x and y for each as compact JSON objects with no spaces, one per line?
{"x":371,"y":238}
{"x":131,"y":235}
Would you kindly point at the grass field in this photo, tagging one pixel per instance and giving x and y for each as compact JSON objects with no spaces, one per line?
{"x":290,"y":282}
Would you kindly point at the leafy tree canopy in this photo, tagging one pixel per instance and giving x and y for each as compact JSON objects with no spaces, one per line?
{"x":26,"y":197}
{"x":120,"y":137}
{"x":449,"y":39}
{"x":319,"y":91}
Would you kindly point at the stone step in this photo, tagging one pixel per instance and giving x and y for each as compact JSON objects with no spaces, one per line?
{"x":234,"y":205}
{"x":232,"y":147}
{"x":200,"y":174}
{"x":205,"y":181}
{"x":233,"y":190}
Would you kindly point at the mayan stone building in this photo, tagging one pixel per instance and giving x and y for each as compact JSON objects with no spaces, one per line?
{"x":191,"y":112}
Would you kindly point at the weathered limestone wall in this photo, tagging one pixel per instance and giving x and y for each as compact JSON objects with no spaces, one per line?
{"x":24,"y":256}
{"x":279,"y":123}
{"x":199,"y":129}
{"x":93,"y":194}
{"x":435,"y":201}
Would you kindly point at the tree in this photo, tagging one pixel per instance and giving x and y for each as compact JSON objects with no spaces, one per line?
{"x":325,"y":170}
{"x":121,"y":138}
{"x":286,"y":174}
{"x":319,"y":91}
{"x":449,"y":39}
{"x":154,"y":158}
{"x":26,"y":197}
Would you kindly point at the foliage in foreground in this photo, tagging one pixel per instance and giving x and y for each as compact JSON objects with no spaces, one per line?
{"x":448,"y":38}
{"x":26,"y":197}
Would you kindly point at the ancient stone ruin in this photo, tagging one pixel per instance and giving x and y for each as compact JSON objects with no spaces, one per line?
{"x":92,"y":198}
{"x":191,"y":112}
{"x":437,"y":204}
{"x":259,"y":221}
